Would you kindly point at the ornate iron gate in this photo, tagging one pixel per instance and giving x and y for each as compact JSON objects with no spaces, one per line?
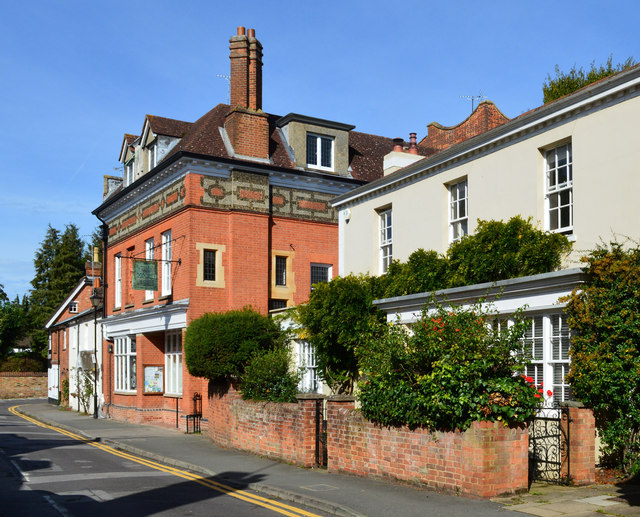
{"x":549,"y":446}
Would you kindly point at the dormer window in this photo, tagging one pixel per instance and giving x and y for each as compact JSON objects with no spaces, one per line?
{"x":319,"y":151}
{"x":73,"y":307}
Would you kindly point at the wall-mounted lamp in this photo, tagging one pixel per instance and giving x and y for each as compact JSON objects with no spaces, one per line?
{"x":347,"y":215}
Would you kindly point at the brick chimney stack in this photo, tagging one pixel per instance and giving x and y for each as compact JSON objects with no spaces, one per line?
{"x":246,"y":124}
{"x":255,"y":71}
{"x":239,"y":47}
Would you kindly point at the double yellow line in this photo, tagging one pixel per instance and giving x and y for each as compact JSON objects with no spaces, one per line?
{"x":270,"y":504}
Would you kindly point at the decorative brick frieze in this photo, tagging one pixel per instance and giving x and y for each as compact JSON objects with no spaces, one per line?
{"x":162,"y":203}
{"x":250,"y":191}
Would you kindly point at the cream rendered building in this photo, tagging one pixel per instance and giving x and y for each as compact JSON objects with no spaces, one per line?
{"x":513,"y":169}
{"x":572,"y":165}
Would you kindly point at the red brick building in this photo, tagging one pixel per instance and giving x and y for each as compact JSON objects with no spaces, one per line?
{"x":230,"y":210}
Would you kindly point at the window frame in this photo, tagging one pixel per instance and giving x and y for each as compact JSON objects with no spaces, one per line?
{"x":280,"y":272}
{"x":117,"y":292}
{"x":458,"y":225}
{"x":173,"y":360}
{"x":125,"y":364}
{"x":318,"y":159}
{"x":385,"y":235}
{"x":149,"y":253}
{"x":556,"y":189}
{"x":328,"y":268}
{"x":166,"y":263}
{"x":310,"y":381}
{"x":209,"y":265}
{"x":73,"y":307}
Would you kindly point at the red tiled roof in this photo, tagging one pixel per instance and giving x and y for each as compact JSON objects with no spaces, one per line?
{"x":366,"y":152}
{"x":129,"y":138}
{"x":168,"y":126}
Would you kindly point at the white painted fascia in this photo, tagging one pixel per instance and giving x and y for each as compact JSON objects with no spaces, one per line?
{"x":150,"y":319}
{"x":67,"y":301}
{"x":536,"y":292}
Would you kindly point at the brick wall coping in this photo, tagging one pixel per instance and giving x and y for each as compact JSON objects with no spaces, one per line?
{"x":310,"y":396}
{"x":23,"y":374}
{"x":572,"y":403}
{"x":341,"y":398}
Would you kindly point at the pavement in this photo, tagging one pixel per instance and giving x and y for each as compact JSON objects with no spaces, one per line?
{"x":330,"y":493}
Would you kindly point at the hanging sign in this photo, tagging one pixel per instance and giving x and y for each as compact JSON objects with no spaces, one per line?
{"x":145,"y":275}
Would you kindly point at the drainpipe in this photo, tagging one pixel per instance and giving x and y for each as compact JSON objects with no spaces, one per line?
{"x":104,"y":228}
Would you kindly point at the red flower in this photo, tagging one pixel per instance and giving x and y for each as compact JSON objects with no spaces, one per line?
{"x":549,"y":392}
{"x":457,"y":330}
{"x":529,"y":380}
{"x":541,"y":391}
{"x":536,"y":395}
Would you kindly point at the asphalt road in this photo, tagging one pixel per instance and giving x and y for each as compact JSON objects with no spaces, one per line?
{"x":47,"y":472}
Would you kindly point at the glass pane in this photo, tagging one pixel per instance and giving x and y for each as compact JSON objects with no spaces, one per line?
{"x":325,"y":144}
{"x":562,"y":175}
{"x":132,"y":372}
{"x":565,"y":217}
{"x":312,"y":150}
{"x":565,"y":197}
{"x":463,"y":209}
{"x":553,"y":220}
{"x":463,"y":228}
{"x":551,"y":159}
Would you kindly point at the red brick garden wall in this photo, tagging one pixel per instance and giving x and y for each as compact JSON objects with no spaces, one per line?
{"x":277,"y":430}
{"x":486,"y":460}
{"x":21,"y":385}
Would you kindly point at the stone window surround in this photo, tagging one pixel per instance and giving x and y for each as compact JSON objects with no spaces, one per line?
{"x":219,"y":249}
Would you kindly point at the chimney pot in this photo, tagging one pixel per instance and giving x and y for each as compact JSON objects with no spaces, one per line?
{"x":398,"y":144}
{"x":240,"y":31}
{"x":413,"y":145}
{"x":251,"y":33}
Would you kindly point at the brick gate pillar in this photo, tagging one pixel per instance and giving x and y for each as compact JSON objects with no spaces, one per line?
{"x":582,"y":443}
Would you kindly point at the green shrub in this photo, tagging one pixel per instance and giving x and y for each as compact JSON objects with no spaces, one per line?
{"x":269,"y":376}
{"x":23,"y":363}
{"x":219,"y":345}
{"x":449,"y":371}
{"x":337,"y":316}
{"x":424,"y":271}
{"x":499,"y":251}
{"x":565,"y":83}
{"x":605,"y":356}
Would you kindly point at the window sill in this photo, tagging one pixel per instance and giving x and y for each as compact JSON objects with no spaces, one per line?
{"x":164,"y":297}
{"x":116,"y":309}
{"x":115,"y":392}
{"x":147,"y":302}
{"x":173,"y":395}
{"x":129,"y":306}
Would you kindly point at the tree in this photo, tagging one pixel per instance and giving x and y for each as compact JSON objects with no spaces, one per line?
{"x":12,"y":323}
{"x":59,"y":265}
{"x":605,"y":353}
{"x":565,"y":83}
{"x":336,"y":317}
{"x":499,"y":251}
{"x":218,"y":346}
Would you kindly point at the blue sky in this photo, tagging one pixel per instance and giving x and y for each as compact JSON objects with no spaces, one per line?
{"x":77,"y":75}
